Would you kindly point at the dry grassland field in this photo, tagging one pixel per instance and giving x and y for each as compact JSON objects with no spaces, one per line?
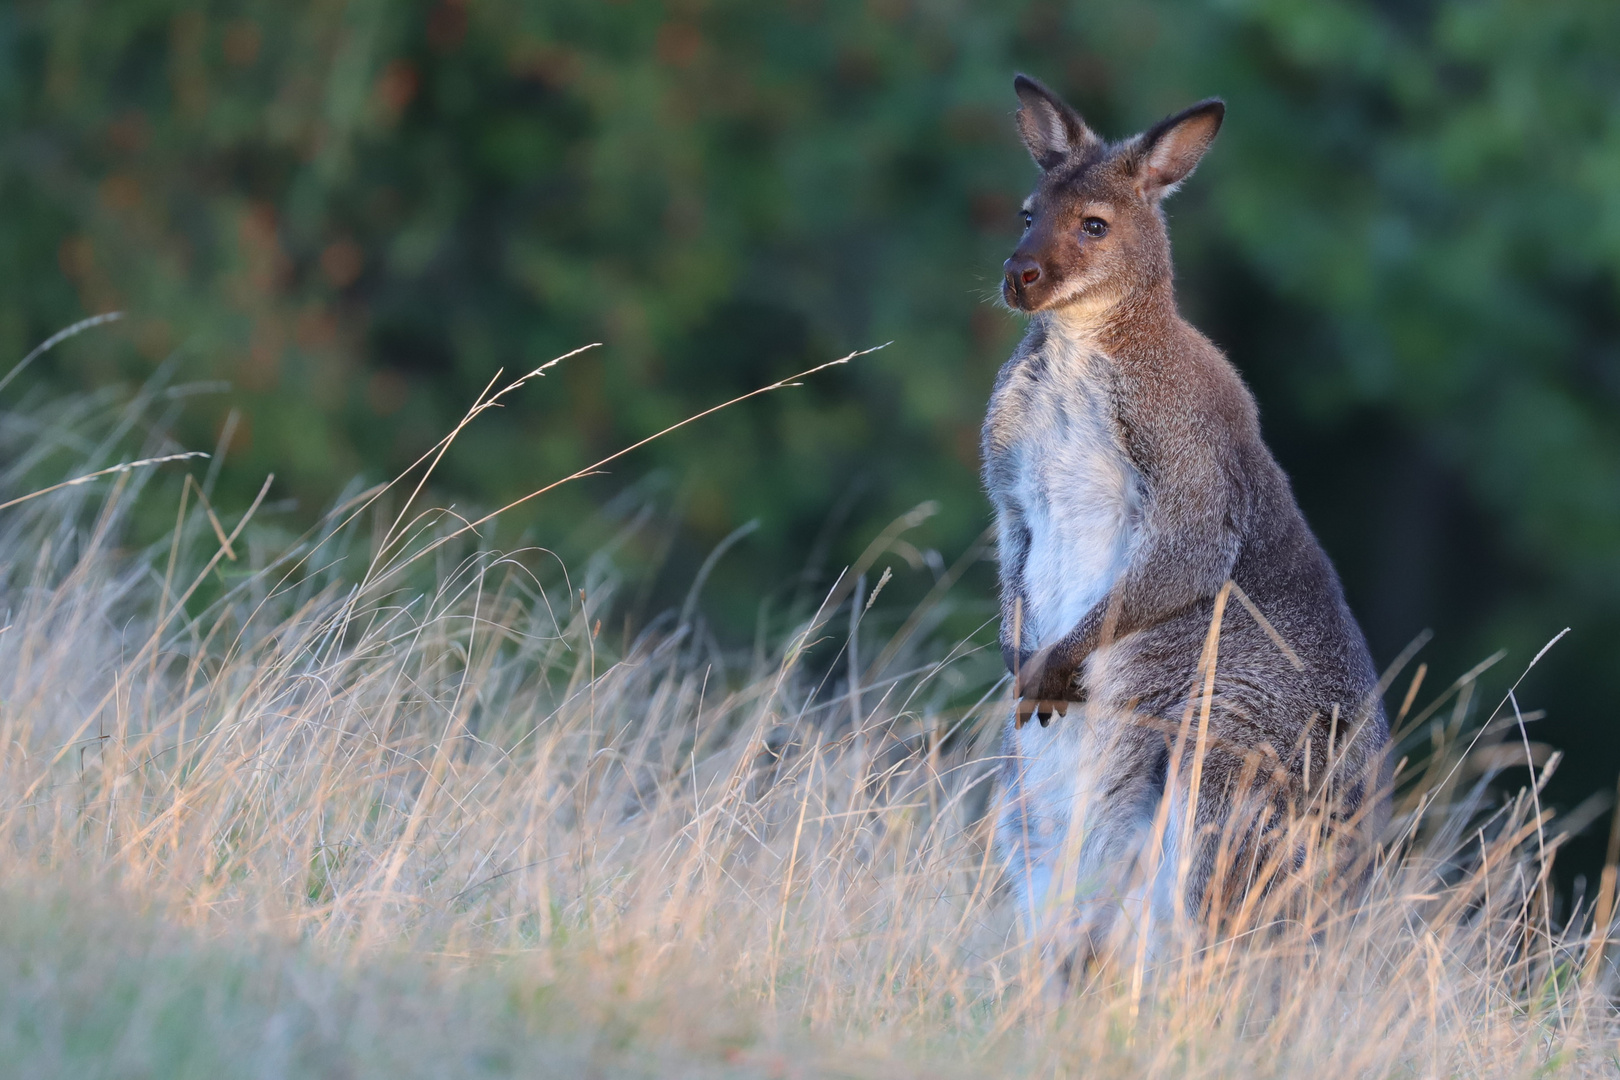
{"x":378,"y":801}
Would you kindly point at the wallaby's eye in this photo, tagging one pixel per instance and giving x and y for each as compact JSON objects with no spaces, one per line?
{"x":1028,"y":217}
{"x":1094,"y":227}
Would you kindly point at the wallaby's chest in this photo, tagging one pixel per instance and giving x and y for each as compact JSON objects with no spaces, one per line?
{"x":1067,"y":496}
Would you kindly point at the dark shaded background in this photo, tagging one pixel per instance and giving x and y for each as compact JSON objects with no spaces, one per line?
{"x":1407,"y":237}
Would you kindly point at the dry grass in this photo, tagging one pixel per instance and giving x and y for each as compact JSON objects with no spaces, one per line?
{"x":378,"y":801}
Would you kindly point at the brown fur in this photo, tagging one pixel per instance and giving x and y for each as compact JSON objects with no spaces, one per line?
{"x":1202,"y":502}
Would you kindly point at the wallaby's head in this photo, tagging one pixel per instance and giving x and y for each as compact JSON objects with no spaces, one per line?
{"x":1093,"y":230}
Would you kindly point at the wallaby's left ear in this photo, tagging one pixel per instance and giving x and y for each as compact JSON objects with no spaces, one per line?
{"x":1168,"y":151}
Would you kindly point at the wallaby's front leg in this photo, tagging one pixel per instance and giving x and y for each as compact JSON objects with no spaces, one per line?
{"x":1014,"y":550}
{"x":1046,"y":685}
{"x":1188,"y":549}
{"x":1021,"y":663}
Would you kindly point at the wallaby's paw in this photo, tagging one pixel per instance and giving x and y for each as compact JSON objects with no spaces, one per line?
{"x":1041,"y":709}
{"x":1046,"y":683}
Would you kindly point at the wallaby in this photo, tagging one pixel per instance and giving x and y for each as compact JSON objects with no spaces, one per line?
{"x":1123,"y":457}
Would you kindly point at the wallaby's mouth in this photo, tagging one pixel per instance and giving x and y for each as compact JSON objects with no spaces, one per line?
{"x":1021,"y":298}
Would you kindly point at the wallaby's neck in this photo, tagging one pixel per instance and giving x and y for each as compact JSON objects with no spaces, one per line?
{"x":1118,"y":325}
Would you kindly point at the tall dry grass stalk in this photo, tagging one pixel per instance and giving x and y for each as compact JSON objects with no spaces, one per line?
{"x":384,"y":739}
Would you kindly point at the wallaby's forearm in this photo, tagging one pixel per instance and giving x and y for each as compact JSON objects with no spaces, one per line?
{"x":1012,"y":607}
{"x":1165,"y":583}
{"x":1188,"y":550}
{"x":1013,"y":545}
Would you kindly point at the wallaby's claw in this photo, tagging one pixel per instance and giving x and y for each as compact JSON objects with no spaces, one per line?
{"x":1041,"y":708}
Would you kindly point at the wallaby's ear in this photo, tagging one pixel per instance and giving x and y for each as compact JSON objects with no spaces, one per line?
{"x":1051,"y":129}
{"x":1168,"y":151}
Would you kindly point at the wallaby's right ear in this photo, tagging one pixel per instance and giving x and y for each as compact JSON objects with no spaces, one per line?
{"x":1051,"y":129}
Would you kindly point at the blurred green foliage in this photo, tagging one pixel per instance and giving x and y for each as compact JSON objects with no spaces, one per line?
{"x":1408,"y":237}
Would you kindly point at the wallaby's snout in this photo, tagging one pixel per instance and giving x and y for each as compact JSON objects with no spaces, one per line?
{"x":1023,"y":272}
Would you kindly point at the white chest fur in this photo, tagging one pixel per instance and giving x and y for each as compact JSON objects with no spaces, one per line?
{"x":1067,"y":497}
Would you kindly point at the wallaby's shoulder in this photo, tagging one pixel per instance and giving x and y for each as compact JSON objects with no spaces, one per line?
{"x":1170,"y":374}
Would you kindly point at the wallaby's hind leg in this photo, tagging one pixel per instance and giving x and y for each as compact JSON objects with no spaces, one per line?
{"x":1076,"y":831}
{"x":1271,"y":767}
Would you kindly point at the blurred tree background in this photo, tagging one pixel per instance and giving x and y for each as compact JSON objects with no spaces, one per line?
{"x":356,"y":211}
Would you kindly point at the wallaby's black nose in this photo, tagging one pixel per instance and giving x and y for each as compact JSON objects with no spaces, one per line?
{"x":1022,"y":270}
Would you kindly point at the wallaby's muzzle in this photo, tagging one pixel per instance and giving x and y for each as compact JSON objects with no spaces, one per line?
{"x":1022,"y":273}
